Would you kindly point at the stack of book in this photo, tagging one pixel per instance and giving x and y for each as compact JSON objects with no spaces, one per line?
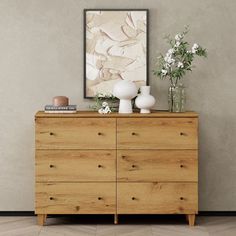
{"x":60,"y":109}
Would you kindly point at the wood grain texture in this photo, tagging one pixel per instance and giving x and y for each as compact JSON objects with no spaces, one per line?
{"x":191,"y":219}
{"x":157,"y":165}
{"x":75,"y":133}
{"x":161,"y":133}
{"x":121,"y":164}
{"x":41,"y":219}
{"x":93,"y":114}
{"x":75,"y":198}
{"x":75,"y":165}
{"x":157,"y":198}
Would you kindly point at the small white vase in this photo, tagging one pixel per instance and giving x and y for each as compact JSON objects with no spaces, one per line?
{"x":125,"y":91}
{"x":145,"y":101}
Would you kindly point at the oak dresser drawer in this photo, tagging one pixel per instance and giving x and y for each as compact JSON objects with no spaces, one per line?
{"x":162,"y":133}
{"x":75,"y":133}
{"x":75,"y":198}
{"x":157,"y":165}
{"x":75,"y":165}
{"x":88,"y":163}
{"x":161,"y":198}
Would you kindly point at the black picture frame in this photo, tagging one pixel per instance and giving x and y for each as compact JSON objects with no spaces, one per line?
{"x":84,"y":42}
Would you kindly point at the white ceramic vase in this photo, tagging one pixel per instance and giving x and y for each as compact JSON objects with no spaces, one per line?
{"x":125,"y":90}
{"x":145,"y":101}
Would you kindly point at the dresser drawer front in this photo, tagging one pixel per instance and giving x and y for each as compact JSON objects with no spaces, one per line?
{"x":157,"y":133}
{"x":75,"y":133}
{"x":75,"y":198}
{"x":75,"y":165}
{"x":157,"y":198}
{"x":157,"y":165}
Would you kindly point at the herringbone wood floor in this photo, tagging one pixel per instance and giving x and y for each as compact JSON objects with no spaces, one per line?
{"x":68,"y":226}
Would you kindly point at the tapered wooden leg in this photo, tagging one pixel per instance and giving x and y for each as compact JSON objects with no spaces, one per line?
{"x":191,"y":219}
{"x":41,"y":219}
{"x":45,"y":218}
{"x":115,"y":219}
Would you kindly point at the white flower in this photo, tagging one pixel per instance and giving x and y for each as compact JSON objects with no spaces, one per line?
{"x":178,"y":37}
{"x":170,"y":51}
{"x":189,"y":51}
{"x":107,"y":110}
{"x":101,"y":95}
{"x":104,"y":104}
{"x":104,"y":109}
{"x":195,"y":48}
{"x":180,"y":65}
{"x":166,"y":65}
{"x":171,"y":61}
{"x":168,"y":59}
{"x":164,"y":72}
{"x":177,"y":44}
{"x":195,"y":45}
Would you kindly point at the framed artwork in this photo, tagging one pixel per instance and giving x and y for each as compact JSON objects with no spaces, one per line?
{"x":115,"y":48}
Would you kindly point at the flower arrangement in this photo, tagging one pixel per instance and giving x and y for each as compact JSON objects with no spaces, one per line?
{"x":100,"y":99}
{"x":174,"y":65}
{"x":178,"y":59}
{"x":111,"y":101}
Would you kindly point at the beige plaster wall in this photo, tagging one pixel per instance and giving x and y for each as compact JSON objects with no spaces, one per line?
{"x":41,"y":55}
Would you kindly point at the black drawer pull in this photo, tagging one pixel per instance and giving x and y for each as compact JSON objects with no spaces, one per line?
{"x":51,"y":166}
{"x":133,"y":198}
{"x":51,"y":133}
{"x":133,"y":133}
{"x":99,"y":133}
{"x":99,"y":198}
{"x":51,"y":198}
{"x":181,"y":166}
{"x":99,"y":166}
{"x":181,"y":198}
{"x":183,"y":134}
{"x":133,"y":166}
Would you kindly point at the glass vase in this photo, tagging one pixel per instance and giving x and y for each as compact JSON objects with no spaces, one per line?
{"x":176,"y":98}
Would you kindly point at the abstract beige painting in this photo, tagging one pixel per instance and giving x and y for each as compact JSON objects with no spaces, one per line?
{"x":115,"y":49}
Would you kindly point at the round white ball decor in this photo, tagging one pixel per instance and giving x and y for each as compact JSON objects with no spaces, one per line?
{"x":125,"y":90}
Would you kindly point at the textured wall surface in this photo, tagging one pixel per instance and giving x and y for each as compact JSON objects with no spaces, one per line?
{"x":41,"y":55}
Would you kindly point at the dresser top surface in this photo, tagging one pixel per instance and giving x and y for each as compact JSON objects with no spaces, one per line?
{"x":94,"y":114}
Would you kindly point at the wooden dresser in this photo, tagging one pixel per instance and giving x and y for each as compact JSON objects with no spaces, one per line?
{"x":87,"y":163}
